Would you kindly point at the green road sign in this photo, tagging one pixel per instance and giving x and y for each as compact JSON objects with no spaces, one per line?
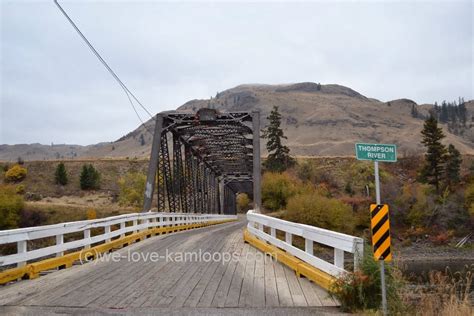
{"x":376,"y":152}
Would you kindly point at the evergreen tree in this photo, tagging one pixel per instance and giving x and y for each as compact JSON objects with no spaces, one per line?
{"x":432,"y":171}
{"x":60,"y":176}
{"x":453,"y":166}
{"x":444,"y":115}
{"x":279,"y":158}
{"x":89,"y":178}
{"x":462,"y":112}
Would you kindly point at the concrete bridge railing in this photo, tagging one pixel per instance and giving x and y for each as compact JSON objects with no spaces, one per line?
{"x":104,"y":230}
{"x":341,"y":243}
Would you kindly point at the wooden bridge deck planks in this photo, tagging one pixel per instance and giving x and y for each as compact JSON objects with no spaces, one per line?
{"x":253,"y":281}
{"x":271,"y":292}
{"x":233,"y":296}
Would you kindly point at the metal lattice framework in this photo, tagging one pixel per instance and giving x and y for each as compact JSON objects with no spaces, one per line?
{"x":200,"y":161}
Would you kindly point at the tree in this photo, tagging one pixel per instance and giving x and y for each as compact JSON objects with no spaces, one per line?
{"x":277,"y":188}
{"x":435,"y":157}
{"x":278,"y":154}
{"x":444,"y":115}
{"x":243,"y":202}
{"x":11,"y":205}
{"x":462,"y":111}
{"x":132,"y":189}
{"x":90,"y":178}
{"x":453,"y":166}
{"x":60,"y":176}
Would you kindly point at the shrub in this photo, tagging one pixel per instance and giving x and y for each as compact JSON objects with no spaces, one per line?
{"x":5,"y":167}
{"x":132,"y":189}
{"x":31,"y":196}
{"x":91,"y":214}
{"x":243,"y":202}
{"x":90,"y":178}
{"x":20,"y":189}
{"x":60,"y":175}
{"x":10,"y":206}
{"x":361,"y":175}
{"x":305,"y":171}
{"x":469,"y":195}
{"x":442,"y":238}
{"x":276,"y":189}
{"x":15,"y":174}
{"x":414,"y":205}
{"x":313,"y":209}
{"x":348,"y":189}
{"x":361,"y":290}
{"x":32,"y":218}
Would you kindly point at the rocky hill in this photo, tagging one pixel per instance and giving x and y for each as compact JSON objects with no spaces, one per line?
{"x":323,"y":120}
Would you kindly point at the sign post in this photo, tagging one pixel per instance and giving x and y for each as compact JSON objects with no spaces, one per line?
{"x":379,"y":212}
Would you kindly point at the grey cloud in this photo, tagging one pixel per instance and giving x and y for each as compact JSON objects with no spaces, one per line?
{"x":55,"y":90}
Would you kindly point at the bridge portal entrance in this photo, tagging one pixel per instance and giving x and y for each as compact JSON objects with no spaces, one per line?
{"x":200,"y":161}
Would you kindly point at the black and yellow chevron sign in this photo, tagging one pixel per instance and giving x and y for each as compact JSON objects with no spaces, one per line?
{"x":380,"y":231}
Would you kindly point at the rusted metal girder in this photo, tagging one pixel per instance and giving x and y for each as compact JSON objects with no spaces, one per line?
{"x":213,"y":157}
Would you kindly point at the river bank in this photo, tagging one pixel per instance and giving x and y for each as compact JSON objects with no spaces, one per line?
{"x":429,"y":252}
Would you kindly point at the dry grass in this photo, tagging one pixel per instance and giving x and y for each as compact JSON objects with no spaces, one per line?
{"x":71,"y":208}
{"x":446,"y":293}
{"x":40,"y":178}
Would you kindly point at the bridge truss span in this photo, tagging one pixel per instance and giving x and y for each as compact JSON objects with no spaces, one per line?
{"x":200,"y":161}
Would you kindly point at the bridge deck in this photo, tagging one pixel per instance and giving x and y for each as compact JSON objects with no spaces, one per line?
{"x":251,"y":281}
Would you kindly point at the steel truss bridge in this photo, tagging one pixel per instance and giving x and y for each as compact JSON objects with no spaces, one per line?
{"x":200,"y":161}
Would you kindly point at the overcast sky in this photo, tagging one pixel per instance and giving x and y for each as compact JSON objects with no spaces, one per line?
{"x":53,"y":89}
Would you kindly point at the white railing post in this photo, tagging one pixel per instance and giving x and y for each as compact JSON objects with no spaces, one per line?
{"x":122,"y":228}
{"x":87,"y":235}
{"x":339,"y":258}
{"x":288,"y":238}
{"x":358,"y":253}
{"x":273,"y":232}
{"x":21,"y":248}
{"x":308,"y":245}
{"x":135,"y":223}
{"x":341,"y":243}
{"x":107,"y":231}
{"x":59,"y":241}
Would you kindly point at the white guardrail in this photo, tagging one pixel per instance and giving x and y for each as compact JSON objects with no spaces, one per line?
{"x":128,"y":223}
{"x":340,"y":242}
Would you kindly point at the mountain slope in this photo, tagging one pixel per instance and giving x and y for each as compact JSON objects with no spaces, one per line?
{"x":330,"y":119}
{"x":318,"y":120}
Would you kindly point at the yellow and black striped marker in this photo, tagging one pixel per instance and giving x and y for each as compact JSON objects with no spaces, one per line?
{"x":380,"y":231}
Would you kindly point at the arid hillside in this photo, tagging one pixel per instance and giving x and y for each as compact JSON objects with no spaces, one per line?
{"x":323,"y":120}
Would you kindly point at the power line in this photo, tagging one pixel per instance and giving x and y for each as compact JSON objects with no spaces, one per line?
{"x":122,"y":85}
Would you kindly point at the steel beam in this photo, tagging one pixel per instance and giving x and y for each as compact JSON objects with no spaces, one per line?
{"x":153,"y":164}
{"x":257,"y":198}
